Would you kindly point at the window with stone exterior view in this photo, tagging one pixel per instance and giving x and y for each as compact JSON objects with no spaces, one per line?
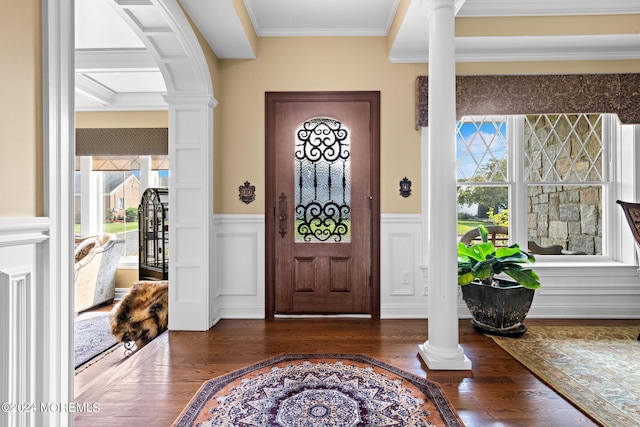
{"x":565,"y":176}
{"x":543,"y":176}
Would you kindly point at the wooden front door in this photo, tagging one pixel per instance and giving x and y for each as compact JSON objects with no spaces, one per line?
{"x":322,"y":207}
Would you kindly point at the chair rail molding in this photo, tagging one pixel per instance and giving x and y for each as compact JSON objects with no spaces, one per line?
{"x":22,"y":231}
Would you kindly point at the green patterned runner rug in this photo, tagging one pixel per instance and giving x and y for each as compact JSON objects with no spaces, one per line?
{"x":597,"y":368}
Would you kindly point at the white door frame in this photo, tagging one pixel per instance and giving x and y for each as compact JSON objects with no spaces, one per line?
{"x":190,"y":97}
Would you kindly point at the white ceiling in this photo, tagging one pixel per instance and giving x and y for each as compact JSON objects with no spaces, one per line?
{"x":114,"y":70}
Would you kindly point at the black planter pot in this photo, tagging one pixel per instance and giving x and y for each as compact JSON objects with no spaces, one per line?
{"x":498,"y":310}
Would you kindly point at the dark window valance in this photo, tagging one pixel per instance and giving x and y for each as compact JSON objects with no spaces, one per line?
{"x":122,"y":141}
{"x":540,"y":94}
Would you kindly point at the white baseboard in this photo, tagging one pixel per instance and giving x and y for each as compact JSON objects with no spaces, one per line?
{"x":120,"y":293}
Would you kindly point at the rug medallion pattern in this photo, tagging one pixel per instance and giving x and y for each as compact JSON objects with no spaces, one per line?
{"x":322,"y":391}
{"x":597,"y":368}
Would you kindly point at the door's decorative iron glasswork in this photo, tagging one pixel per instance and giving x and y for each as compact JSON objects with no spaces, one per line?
{"x":323,"y":182}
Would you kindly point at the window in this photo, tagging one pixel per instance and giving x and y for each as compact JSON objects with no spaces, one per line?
{"x":564,"y":172}
{"x":108,"y":192}
{"x":482,"y":172}
{"x":323,"y":182}
{"x":544,"y":176}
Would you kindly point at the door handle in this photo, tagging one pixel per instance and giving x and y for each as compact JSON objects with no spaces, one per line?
{"x":282,"y":217}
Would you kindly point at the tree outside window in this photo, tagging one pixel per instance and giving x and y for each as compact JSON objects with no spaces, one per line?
{"x":562,"y":174}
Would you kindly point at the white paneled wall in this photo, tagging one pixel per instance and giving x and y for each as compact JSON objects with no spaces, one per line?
{"x":239,"y":268}
{"x":403,"y":293}
{"x":21,"y":286}
{"x":595,"y":290}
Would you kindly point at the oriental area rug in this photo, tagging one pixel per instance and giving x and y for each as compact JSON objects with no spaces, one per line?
{"x":336,"y":390}
{"x":596,"y":368}
{"x":92,"y":337}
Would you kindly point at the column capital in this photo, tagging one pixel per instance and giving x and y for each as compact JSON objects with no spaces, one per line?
{"x":440,"y":4}
{"x":191,"y":100}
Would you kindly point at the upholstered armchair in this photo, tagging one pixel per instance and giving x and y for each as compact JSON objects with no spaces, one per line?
{"x":97,"y":259}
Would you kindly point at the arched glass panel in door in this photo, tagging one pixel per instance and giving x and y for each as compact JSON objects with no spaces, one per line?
{"x":322,"y":182}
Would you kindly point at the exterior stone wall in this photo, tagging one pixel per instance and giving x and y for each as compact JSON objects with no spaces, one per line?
{"x":566,"y":215}
{"x":569,"y":216}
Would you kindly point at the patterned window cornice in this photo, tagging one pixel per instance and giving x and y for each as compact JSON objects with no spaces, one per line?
{"x":540,"y":94}
{"x":122,"y":141}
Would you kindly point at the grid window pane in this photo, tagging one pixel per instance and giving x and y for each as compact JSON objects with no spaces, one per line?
{"x":481,"y":147}
{"x":563,"y":148}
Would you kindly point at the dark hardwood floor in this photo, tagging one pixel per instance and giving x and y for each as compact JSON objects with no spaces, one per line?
{"x":152,"y":386}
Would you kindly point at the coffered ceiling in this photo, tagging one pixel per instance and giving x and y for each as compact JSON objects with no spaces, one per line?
{"x":114,"y":70}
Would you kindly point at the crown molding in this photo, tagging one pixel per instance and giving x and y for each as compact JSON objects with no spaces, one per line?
{"x":543,"y":48}
{"x":88,"y":88}
{"x":548,"y":7}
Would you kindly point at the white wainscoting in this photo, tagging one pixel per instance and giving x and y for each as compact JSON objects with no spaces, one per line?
{"x":239,"y":267}
{"x":21,"y":282}
{"x":586,"y":290}
{"x":239,"y":245}
{"x":597,"y":290}
{"x":403,"y":293}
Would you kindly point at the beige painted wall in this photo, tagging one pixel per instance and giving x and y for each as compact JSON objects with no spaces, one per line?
{"x":21,"y":110}
{"x":547,"y":25}
{"x":291,"y":64}
{"x":126,"y":278}
{"x":347,"y":63}
{"x":122,"y":119}
{"x":547,"y":67}
{"x":314,"y":64}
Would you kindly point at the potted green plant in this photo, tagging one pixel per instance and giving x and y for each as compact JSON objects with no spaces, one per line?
{"x":498,"y":305}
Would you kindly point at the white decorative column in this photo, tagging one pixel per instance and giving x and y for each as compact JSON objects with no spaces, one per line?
{"x":166,"y":32}
{"x":190,"y":210}
{"x":148,"y":178}
{"x":91,"y":208}
{"x":441,"y":350}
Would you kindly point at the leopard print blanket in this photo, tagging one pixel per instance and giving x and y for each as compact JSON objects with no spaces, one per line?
{"x":142,"y":314}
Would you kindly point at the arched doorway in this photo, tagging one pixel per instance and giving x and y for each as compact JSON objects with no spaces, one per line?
{"x":174,"y":45}
{"x":167,"y":34}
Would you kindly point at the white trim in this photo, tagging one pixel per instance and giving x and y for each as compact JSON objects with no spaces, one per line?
{"x":606,"y":47}
{"x":594,"y":287}
{"x":612,"y":160}
{"x":378,"y":31}
{"x":547,"y":7}
{"x":424,"y":168}
{"x":18,"y":336}
{"x":23,"y":231}
{"x":128,"y":263}
{"x":120,"y":293}
{"x":221,"y":27}
{"x":238,"y":243}
{"x":54,"y":375}
{"x":548,"y":48}
{"x":626,"y":189}
{"x":193,"y":293}
{"x":112,"y":60}
{"x":518,"y":193}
